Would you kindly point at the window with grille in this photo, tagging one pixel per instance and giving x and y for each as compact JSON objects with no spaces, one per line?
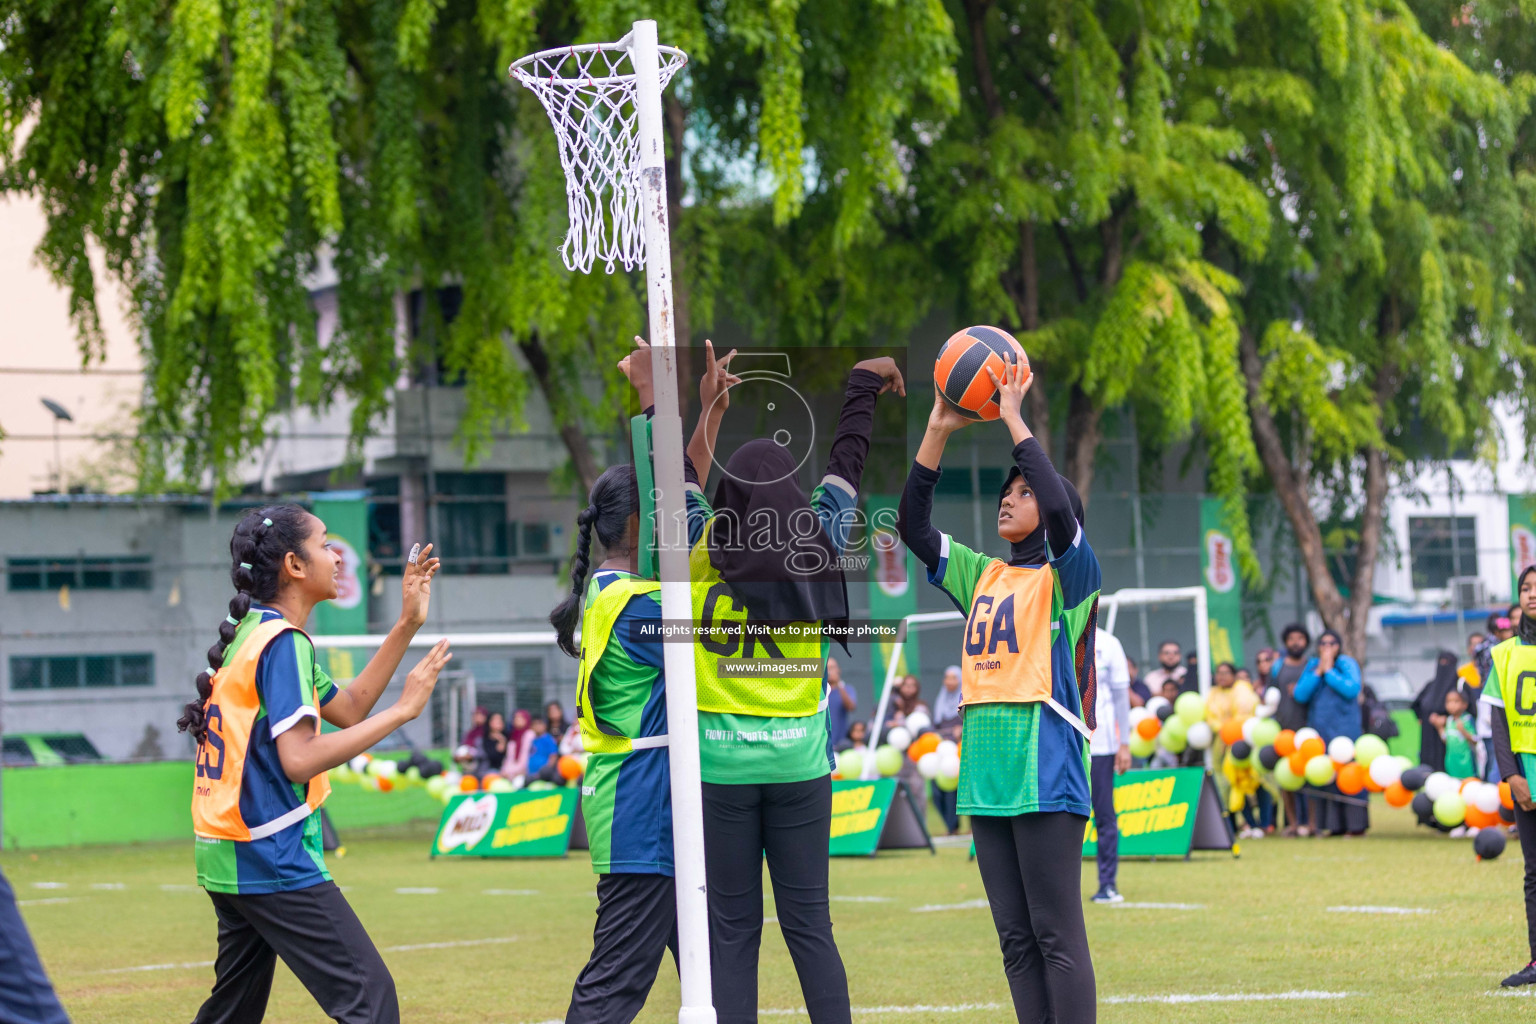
{"x":76,"y":671}
{"x":79,"y":572}
{"x":1440,"y":548}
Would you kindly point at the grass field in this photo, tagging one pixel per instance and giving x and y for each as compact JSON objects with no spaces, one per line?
{"x":127,"y":938}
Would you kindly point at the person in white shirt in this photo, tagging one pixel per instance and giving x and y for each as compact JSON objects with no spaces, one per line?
{"x":1110,"y":748}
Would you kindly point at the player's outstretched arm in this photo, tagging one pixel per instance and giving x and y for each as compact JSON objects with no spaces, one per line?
{"x":354,"y":703}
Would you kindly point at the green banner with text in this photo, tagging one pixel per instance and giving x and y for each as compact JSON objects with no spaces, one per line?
{"x":520,"y":824}
{"x":858,"y":815}
{"x":1156,"y":811}
{"x":345,"y":515}
{"x":1522,"y":539}
{"x":1223,"y":589}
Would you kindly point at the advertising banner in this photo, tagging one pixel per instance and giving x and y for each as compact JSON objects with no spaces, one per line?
{"x":1165,"y":813}
{"x":345,"y":514}
{"x":1522,"y":538}
{"x":877,"y":814}
{"x":520,"y":824}
{"x":1224,"y":591}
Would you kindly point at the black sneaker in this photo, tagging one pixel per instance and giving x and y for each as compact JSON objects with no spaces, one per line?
{"x":1109,"y":894}
{"x":1524,"y":976}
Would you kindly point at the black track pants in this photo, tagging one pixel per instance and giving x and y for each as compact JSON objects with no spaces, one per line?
{"x":790,"y":823}
{"x":320,"y":939}
{"x":1525,"y":822}
{"x":636,"y":923}
{"x":1031,"y":866}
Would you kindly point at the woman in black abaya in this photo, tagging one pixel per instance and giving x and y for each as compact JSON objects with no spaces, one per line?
{"x":1429,"y":707}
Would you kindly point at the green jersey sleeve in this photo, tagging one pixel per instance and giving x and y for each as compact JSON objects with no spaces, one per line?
{"x":958,"y":572}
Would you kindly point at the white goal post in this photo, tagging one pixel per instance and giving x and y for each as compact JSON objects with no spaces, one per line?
{"x":1109,"y":610}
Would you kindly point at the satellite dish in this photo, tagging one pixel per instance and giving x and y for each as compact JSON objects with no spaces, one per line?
{"x":59,"y":412}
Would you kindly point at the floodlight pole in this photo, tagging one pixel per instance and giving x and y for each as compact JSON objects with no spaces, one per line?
{"x":672,"y":543}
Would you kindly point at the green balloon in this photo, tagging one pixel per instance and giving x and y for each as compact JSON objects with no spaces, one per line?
{"x":1173,"y":740}
{"x":1320,"y":770}
{"x":1287,"y":779}
{"x":1141,"y":746}
{"x":888,"y":760}
{"x":1368,"y":748}
{"x":1177,"y":727}
{"x":1450,"y":810}
{"x":1190,"y":707}
{"x":947,"y":783}
{"x":851,"y":764}
{"x":1265,"y":732}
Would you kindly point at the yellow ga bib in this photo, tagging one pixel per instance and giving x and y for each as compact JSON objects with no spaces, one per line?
{"x":1515,"y":664}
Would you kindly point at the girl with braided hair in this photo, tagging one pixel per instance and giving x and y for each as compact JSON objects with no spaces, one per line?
{"x":261,"y":771}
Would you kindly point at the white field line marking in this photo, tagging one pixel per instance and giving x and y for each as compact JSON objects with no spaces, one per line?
{"x":45,"y":901}
{"x":967,"y":905}
{"x":197,"y":964}
{"x":422,"y":890}
{"x":861,"y":899}
{"x":1379,"y":910}
{"x":1229,"y":997}
{"x":1508,"y":992}
{"x":770,"y":920}
{"x":108,"y":886}
{"x":509,"y":892}
{"x":50,"y":885}
{"x":881,"y":1010}
{"x":1157,"y":906}
{"x":449,"y":945}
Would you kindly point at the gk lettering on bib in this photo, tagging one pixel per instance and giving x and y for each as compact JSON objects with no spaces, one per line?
{"x":1008,"y":636}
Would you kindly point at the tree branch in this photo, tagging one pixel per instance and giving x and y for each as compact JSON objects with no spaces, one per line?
{"x":571,"y":433}
{"x":1079,"y":280}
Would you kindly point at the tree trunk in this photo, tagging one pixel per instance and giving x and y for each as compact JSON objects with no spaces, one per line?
{"x":571,"y":433}
{"x":1083,"y":435}
{"x":1292,"y":490}
{"x":1362,"y":586}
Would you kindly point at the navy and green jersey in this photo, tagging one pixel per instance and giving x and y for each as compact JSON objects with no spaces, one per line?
{"x":1020,"y":758}
{"x":626,"y":799}
{"x":286,"y":677}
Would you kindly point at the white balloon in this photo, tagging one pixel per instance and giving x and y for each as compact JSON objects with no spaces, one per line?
{"x":1484,"y":796}
{"x":1200,"y":736}
{"x":918,"y":722}
{"x":359,"y":763}
{"x":1248,"y":726}
{"x":1385,"y":770}
{"x":453,"y":778}
{"x":899,"y":738}
{"x":1263,"y":711}
{"x":928,"y":765}
{"x":1157,"y":703}
{"x":1137,"y":714}
{"x":1341,"y":750}
{"x":1272,"y":697}
{"x":949,"y":766}
{"x":947,"y":747}
{"x":1439,"y":784}
{"x":1308,"y":733}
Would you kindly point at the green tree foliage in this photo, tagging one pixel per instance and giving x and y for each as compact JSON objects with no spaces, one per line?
{"x":1069,"y":194}
{"x":222,"y":153}
{"x":1375,"y":334}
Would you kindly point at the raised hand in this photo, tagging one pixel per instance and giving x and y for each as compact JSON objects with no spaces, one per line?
{"x":636,"y":367}
{"x":1012,"y":386}
{"x":416,"y":586}
{"x":888,"y":371}
{"x":422,"y":680}
{"x":944,"y":417}
{"x":715,"y":385}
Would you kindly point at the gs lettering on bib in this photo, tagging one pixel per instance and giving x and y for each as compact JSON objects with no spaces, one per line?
{"x":1008,"y":636}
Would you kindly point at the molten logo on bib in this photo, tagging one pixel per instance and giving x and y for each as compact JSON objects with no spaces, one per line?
{"x":469,"y":824}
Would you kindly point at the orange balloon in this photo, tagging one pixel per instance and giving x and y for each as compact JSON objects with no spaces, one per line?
{"x":468,"y":784}
{"x":1352,"y":779}
{"x":570,"y":768}
{"x":1148,"y":727}
{"x":1397,"y":796}
{"x":487,"y":779}
{"x":1232,"y":732}
{"x":1506,"y":796}
{"x":1299,"y":762}
{"x":1285,"y":743}
{"x":1313,"y":746}
{"x":1477,"y":818}
{"x":927,"y":743}
{"x":1370,"y":783}
{"x":385,"y":783}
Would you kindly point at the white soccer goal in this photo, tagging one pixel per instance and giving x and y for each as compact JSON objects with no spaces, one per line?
{"x":1109,"y":610}
{"x":604,"y":100}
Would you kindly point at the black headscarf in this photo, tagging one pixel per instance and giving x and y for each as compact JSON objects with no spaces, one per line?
{"x":1431,"y":701}
{"x":1527,"y":631}
{"x":781,"y":571}
{"x":1032,"y":549}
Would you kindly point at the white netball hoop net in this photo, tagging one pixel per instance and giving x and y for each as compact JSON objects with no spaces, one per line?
{"x":605,"y":102}
{"x":589,"y":93}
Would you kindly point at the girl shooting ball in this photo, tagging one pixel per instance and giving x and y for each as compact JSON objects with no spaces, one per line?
{"x":1025,"y":666}
{"x":261,"y":771}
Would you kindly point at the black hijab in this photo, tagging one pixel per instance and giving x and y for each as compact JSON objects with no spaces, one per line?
{"x":1527,"y":631}
{"x":1032,"y":549}
{"x":1431,"y":699}
{"x":776,"y":566}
